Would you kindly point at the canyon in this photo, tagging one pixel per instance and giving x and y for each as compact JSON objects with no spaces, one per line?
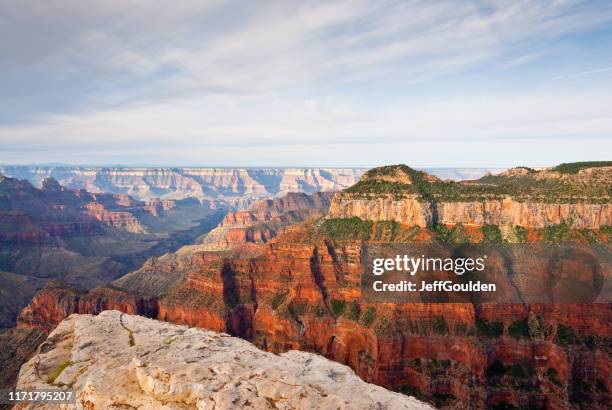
{"x":305,"y":295}
{"x":237,"y":187}
{"x":299,"y":288}
{"x":82,"y":238}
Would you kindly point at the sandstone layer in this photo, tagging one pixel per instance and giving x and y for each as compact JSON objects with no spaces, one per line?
{"x":528,"y":198}
{"x":115,"y":360}
{"x":266,"y":219}
{"x":413,"y":211}
{"x":304,"y":294}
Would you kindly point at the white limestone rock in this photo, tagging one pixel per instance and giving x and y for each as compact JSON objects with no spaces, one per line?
{"x":164,"y":366}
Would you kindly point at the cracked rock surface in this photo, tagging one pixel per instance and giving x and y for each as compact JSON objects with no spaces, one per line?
{"x":119,"y":361}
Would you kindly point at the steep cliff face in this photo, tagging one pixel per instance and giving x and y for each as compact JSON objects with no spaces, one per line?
{"x":532,"y":199}
{"x":265,"y":219}
{"x":167,"y":366}
{"x":56,"y":301}
{"x":117,"y":219}
{"x":302,"y":292}
{"x":414,"y":211}
{"x":235,"y":186}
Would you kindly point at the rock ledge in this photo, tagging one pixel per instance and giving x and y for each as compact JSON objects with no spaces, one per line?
{"x":119,"y":361}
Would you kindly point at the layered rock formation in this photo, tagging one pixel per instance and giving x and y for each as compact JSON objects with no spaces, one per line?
{"x":303,"y":293}
{"x":532,"y":199}
{"x":235,"y":186}
{"x":265,"y":219}
{"x":301,"y":290}
{"x":120,"y":361}
{"x":238,"y":187}
{"x":31,"y":214}
{"x":84,"y":238}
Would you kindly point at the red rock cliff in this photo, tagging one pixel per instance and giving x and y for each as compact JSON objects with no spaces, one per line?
{"x":265,"y":219}
{"x":304,"y":294}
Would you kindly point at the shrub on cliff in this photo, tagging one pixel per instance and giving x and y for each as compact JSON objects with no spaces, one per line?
{"x":320,"y":311}
{"x":386,"y":230}
{"x":351,"y":311}
{"x":566,"y":336}
{"x":519,"y":329}
{"x":343,"y":229}
{"x":553,"y":376}
{"x":519,"y":371}
{"x":520,"y":234}
{"x":278,"y":300}
{"x":489,"y":329}
{"x":338,"y":306}
{"x":606,"y":230}
{"x":491,"y":234}
{"x":455,"y":235}
{"x":440,"y":326}
{"x":590,"y":236}
{"x":557,"y":233}
{"x":368,"y":317}
{"x":383,"y":326}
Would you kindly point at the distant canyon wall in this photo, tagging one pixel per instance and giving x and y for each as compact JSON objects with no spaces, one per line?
{"x":266,"y":218}
{"x":237,"y":186}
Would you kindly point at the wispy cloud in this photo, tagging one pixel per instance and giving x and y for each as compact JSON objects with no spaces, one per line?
{"x":583,"y":73}
{"x":273,"y":73}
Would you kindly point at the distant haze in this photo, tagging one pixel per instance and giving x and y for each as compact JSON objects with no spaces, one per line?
{"x":233,"y":186}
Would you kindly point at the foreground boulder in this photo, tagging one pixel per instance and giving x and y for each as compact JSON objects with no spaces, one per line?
{"x":115,"y":360}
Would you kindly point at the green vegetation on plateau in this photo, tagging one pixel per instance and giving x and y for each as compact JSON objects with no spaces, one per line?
{"x":356,"y":229}
{"x":491,"y":234}
{"x":455,"y":235}
{"x":344,"y":229}
{"x":529,"y":184}
{"x":374,"y":186}
{"x":574,"y":167}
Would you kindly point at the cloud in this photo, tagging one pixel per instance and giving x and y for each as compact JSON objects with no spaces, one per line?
{"x":124,"y":74}
{"x":584,"y":73}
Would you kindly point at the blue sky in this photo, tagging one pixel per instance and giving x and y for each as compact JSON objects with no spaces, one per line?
{"x":342,"y":83}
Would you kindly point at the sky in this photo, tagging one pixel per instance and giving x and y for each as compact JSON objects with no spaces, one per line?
{"x":354,"y":83}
